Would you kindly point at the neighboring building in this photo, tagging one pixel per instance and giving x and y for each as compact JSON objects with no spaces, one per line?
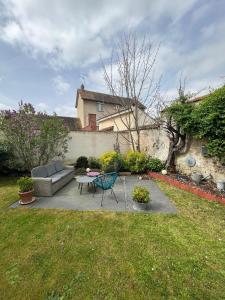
{"x":92,"y":106}
{"x":124,"y":120}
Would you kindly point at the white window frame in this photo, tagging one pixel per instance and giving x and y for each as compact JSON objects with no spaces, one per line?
{"x":100,"y":106}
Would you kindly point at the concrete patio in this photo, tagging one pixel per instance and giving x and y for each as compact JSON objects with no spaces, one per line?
{"x":69,"y":198}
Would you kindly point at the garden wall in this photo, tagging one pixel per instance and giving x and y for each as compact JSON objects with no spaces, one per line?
{"x":93,"y":143}
{"x":204,"y":165}
{"x":156,"y":143}
{"x":153,"y":141}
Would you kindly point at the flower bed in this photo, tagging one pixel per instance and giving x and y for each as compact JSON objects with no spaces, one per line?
{"x":187,"y":187}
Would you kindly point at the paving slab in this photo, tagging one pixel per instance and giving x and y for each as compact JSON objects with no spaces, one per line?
{"x":69,"y":198}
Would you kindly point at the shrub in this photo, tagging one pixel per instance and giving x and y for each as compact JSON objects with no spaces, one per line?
{"x":154,"y":164}
{"x":137,"y":161}
{"x":82,"y":162}
{"x":111,"y":161}
{"x":26,"y":184}
{"x":5,"y":156}
{"x":80,"y":171}
{"x":141,"y":194}
{"x":33,"y":137}
{"x":94,"y":163}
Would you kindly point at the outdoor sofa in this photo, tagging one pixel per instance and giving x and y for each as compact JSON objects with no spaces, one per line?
{"x":48,"y":179}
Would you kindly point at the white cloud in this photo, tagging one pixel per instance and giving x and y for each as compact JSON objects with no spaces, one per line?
{"x":42,"y":106}
{"x":5,"y":107}
{"x":74,"y":33}
{"x":61,"y":86}
{"x":65,"y":110}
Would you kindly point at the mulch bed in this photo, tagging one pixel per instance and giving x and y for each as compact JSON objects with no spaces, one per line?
{"x":206,"y":189}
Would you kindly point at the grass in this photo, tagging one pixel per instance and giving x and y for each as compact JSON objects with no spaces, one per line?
{"x":56,"y":254}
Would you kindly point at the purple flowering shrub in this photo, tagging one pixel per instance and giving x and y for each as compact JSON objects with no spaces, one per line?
{"x":33,"y":137}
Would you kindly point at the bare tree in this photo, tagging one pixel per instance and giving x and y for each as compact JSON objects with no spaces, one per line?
{"x":130,"y":75}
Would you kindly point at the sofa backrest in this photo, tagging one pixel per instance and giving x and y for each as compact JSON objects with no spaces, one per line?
{"x":51,"y":169}
{"x":39,"y":172}
{"x":59,"y":165}
{"x":47,"y":170}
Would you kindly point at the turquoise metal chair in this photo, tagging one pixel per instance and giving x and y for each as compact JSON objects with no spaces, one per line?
{"x":106,"y":182}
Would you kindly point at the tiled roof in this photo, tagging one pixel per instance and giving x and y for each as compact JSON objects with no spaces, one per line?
{"x":72,"y":123}
{"x":106,"y":98}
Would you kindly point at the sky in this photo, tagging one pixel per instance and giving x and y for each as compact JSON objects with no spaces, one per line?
{"x":48,"y":48}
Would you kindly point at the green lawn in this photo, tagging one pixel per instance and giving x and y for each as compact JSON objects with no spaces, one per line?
{"x":52,"y":254}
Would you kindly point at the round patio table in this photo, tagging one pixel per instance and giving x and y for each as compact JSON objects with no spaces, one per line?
{"x":93,"y":174}
{"x":84,"y":180}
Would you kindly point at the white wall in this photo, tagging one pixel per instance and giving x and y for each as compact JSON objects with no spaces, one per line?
{"x":155,"y":143}
{"x":92,"y":143}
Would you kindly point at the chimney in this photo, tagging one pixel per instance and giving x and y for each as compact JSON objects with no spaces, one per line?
{"x":82,"y":87}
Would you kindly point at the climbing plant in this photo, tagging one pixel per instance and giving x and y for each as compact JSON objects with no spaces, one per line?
{"x":205,"y":120}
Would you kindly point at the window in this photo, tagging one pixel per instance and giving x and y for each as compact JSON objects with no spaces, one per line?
{"x":100,"y":106}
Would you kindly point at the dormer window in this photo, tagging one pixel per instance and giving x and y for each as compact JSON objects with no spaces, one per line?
{"x":100,"y":106}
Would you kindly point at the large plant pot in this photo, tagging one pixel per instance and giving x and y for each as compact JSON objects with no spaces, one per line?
{"x":26,"y":197}
{"x":196,"y":177}
{"x":220,"y":185}
{"x":140,"y":206}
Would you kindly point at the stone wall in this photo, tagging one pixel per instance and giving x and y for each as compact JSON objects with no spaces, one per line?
{"x":156,"y":143}
{"x":204,"y":165}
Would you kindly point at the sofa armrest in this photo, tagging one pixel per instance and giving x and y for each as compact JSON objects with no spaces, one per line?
{"x":69,"y":167}
{"x":42,"y":186}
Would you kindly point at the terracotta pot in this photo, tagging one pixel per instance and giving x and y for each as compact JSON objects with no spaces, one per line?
{"x":26,"y":197}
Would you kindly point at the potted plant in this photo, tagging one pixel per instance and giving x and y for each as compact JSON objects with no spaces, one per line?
{"x":26,"y":188}
{"x":141,"y":198}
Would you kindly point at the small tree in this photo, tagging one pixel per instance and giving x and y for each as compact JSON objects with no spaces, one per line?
{"x":205,"y":121}
{"x":33,"y":137}
{"x":176,"y":134}
{"x":130,"y":74}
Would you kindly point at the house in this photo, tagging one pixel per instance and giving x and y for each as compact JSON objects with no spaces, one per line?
{"x":124,"y":120}
{"x":103,"y":111}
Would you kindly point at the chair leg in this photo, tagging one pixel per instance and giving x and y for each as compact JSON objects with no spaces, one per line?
{"x":114,"y":195}
{"x":94,"y":189}
{"x":81,"y":188}
{"x":102,"y":196}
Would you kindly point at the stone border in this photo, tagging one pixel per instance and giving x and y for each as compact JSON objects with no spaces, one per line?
{"x":186,"y":187}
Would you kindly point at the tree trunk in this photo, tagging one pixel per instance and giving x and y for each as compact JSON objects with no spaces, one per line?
{"x":170,"y":161}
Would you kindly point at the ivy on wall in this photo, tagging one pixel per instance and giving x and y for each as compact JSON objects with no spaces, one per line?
{"x":204,"y":121}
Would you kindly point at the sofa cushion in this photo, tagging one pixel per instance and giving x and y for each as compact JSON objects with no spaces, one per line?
{"x":59,"y":165}
{"x":59,"y":175}
{"x":51,"y":169}
{"x":39,"y":172}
